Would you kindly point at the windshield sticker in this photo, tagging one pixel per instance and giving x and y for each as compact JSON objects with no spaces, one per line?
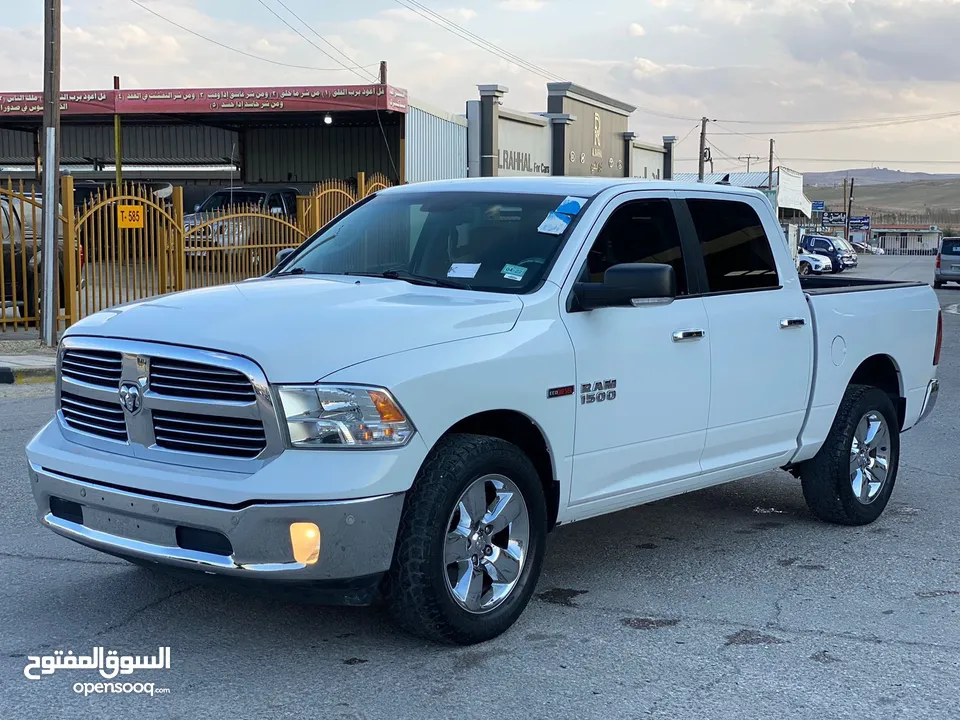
{"x":554,"y":224}
{"x":513,"y":272}
{"x":463,"y":270}
{"x":572,"y":205}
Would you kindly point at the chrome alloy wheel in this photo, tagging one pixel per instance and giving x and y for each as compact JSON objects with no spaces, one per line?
{"x":486,"y":543}
{"x":870,"y":457}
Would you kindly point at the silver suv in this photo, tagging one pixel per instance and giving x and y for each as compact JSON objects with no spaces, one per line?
{"x":948,"y":262}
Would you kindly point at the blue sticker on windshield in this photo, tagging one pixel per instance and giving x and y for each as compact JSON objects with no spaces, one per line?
{"x":572,"y":205}
{"x":554,"y":224}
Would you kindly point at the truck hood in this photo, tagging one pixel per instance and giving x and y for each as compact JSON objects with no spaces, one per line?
{"x":299,"y":329}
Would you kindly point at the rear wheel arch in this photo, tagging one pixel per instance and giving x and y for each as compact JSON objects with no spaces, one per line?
{"x":883,"y":372}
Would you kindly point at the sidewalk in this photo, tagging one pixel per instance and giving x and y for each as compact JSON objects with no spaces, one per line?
{"x":26,"y":361}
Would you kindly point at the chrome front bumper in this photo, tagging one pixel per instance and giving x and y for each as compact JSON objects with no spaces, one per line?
{"x":357,"y":536}
{"x":930,"y":399}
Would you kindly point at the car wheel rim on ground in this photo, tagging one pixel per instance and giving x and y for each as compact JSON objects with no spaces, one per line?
{"x":486,"y":543}
{"x":870,"y":453}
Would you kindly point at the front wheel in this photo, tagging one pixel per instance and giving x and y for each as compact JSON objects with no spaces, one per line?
{"x":470,"y":543}
{"x":804,"y":268}
{"x":850,"y":480}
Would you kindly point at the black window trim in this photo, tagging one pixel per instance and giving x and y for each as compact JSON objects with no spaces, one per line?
{"x":693,"y":238}
{"x":688,"y":245}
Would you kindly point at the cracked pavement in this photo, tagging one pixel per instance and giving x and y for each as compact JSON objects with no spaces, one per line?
{"x":707,"y":605}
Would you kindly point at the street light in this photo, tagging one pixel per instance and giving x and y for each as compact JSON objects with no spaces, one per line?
{"x":327,"y":120}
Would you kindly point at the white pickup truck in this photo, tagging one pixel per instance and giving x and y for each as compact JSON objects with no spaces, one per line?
{"x":411,"y":400}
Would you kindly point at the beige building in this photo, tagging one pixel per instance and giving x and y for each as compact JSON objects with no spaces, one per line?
{"x":907,"y":239}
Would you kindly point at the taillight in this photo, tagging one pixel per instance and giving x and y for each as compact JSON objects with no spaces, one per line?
{"x":936,"y":348}
{"x":938,"y":261}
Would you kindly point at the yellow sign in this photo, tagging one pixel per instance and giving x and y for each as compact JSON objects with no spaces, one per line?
{"x":130,"y":217}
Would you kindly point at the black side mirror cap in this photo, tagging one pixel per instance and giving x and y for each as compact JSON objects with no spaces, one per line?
{"x":283,"y":255}
{"x":629,"y":284}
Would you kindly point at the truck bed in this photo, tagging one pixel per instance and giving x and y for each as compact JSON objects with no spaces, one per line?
{"x":829,"y":284}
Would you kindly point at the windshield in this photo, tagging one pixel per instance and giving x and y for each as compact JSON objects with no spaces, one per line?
{"x":843,"y":244}
{"x":225,"y":198}
{"x":951,"y":247}
{"x":497,"y":242}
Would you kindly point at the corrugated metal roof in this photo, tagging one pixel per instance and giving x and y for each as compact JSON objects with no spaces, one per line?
{"x":741,"y":179}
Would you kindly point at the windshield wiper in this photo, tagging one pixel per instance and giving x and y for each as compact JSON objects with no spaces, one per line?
{"x":412,"y":279}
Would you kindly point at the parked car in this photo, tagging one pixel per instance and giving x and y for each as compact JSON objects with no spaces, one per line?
{"x":236,"y":232}
{"x":947,"y":268}
{"x":809,"y":264}
{"x":21,"y":258}
{"x":407,"y":408}
{"x":841,"y":253}
{"x":867,"y":249}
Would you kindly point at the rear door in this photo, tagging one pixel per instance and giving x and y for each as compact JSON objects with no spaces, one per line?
{"x":760,"y":329}
{"x":643,"y":373}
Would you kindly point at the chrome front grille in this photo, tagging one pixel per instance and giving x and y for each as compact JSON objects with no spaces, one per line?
{"x":95,"y":417}
{"x":93,"y":367}
{"x":166,"y":403}
{"x":177,"y":378}
{"x":211,"y":435}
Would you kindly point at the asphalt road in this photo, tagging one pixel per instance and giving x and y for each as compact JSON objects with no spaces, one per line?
{"x":727,"y":603}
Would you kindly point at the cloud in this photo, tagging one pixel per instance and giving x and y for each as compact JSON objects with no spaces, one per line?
{"x":521,"y":5}
{"x":637,"y":30}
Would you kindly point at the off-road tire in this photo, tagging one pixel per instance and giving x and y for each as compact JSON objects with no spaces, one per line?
{"x":825,"y":478}
{"x":416,"y":588}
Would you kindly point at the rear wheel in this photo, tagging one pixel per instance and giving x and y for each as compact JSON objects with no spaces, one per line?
{"x":470,"y":543}
{"x":804,"y":268}
{"x":852,"y":477}
{"x":937,"y":284}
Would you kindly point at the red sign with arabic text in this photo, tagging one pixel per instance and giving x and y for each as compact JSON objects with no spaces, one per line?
{"x":212,"y":100}
{"x":95,"y":102}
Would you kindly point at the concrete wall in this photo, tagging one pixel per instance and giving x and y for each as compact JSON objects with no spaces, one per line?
{"x":524,"y":144}
{"x":647,"y":161}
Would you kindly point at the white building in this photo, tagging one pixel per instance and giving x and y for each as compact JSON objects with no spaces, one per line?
{"x":907,"y":239}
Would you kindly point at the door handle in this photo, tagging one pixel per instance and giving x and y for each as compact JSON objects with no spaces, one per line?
{"x":788,"y":323}
{"x":688,"y":335}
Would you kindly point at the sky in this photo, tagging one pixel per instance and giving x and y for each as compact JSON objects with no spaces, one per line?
{"x":837,"y":83}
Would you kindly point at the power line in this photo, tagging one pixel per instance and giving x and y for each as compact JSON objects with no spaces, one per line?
{"x":474,"y":39}
{"x":872,"y":161}
{"x":695,"y":126}
{"x":277,"y":15}
{"x":843,"y":128}
{"x":322,"y":38}
{"x":233,"y":49}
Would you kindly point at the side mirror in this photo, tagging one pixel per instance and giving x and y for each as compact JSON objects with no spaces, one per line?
{"x":283,"y":255}
{"x":629,"y":284}
{"x":196,"y":208}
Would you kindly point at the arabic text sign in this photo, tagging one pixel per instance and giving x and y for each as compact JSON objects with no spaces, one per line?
{"x":287,"y":99}
{"x":130,"y":217}
{"x":96,"y":102}
{"x":834,"y":219}
{"x":109,"y":663}
{"x":818,"y":206}
{"x":859,"y":222}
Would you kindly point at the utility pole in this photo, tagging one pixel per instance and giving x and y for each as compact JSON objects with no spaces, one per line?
{"x":748,"y":159}
{"x":770,"y":169}
{"x":703,"y":144}
{"x":849,"y":209}
{"x":51,"y":171}
{"x":845,"y":195}
{"x":117,"y":139}
{"x":383,"y":72}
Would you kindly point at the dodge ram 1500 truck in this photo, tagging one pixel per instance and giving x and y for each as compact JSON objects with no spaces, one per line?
{"x":410,"y":400}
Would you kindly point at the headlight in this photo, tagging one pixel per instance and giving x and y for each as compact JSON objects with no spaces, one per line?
{"x":332,"y":416}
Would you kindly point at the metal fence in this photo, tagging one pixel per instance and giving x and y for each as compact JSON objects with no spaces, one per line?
{"x":125,"y":244}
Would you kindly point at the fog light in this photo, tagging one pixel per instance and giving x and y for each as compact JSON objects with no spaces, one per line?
{"x":305,"y":540}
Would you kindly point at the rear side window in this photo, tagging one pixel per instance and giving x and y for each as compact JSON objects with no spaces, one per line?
{"x":951,"y":247}
{"x":736,"y":250}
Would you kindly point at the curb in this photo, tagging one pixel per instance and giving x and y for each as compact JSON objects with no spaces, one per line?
{"x":26,"y":376}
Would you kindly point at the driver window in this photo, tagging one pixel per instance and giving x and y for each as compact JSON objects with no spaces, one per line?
{"x":641,"y":231}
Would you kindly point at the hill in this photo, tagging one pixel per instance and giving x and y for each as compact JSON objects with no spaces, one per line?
{"x":870,"y":176}
{"x":905,"y":197}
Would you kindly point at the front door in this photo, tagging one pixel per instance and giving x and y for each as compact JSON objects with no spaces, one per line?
{"x":643,"y":373}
